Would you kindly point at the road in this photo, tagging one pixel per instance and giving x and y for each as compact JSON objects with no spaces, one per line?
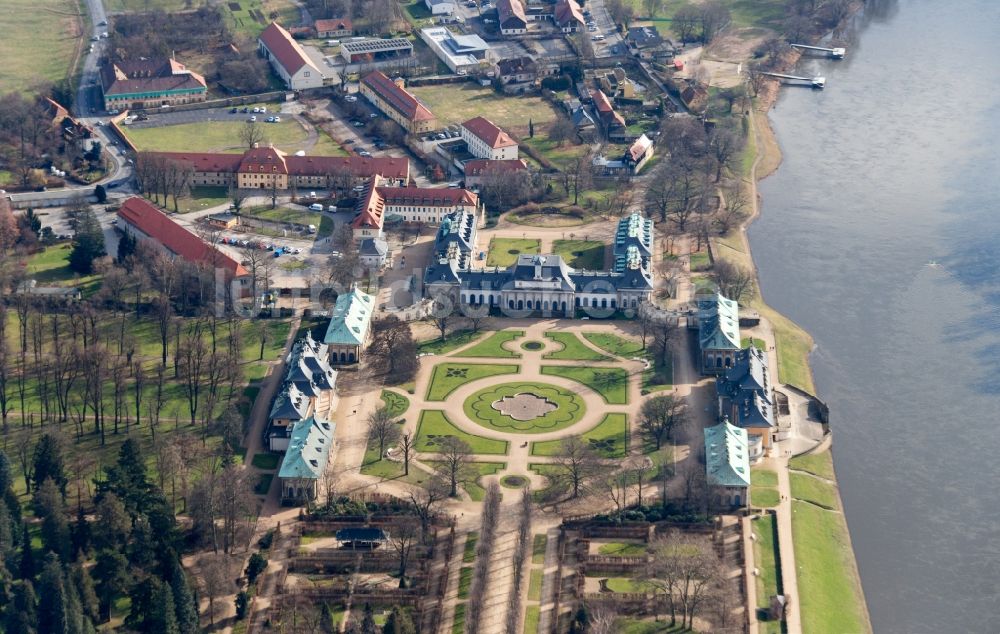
{"x":606,"y":27}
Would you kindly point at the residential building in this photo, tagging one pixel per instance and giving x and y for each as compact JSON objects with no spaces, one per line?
{"x":479,"y":171}
{"x":290,"y":61}
{"x":695,"y":97}
{"x":409,"y":204}
{"x":611,"y":121}
{"x":583,"y":121}
{"x":372,"y":252}
{"x":487,"y":141}
{"x":306,"y":460}
{"x":646,"y":42}
{"x":634,"y":243}
{"x":631,"y":162}
{"x":397,"y":103}
{"x":150,"y":83}
{"x":718,"y":333}
{"x":456,"y":238}
{"x":542,"y":284}
{"x":348,"y":330}
{"x":517,"y":74}
{"x":139,"y":218}
{"x":376,"y":50}
{"x":617,"y":84}
{"x":568,"y":17}
{"x":308,"y":389}
{"x":262,"y":168}
{"x":333,"y":28}
{"x":459,"y":52}
{"x":727,"y":465}
{"x":511,"y":16}
{"x":440,"y":7}
{"x":746,"y":399}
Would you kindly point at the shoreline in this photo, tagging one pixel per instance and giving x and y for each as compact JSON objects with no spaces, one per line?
{"x":766,"y":161}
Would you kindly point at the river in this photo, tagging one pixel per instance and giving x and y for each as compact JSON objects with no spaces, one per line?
{"x":880,"y":235}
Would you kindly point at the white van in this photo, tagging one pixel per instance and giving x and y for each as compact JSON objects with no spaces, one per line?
{"x":312,"y":228}
{"x":315,"y":207}
{"x":333,"y":42}
{"x":331,"y":208}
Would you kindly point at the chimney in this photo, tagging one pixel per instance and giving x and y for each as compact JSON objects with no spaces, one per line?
{"x":400,"y":82}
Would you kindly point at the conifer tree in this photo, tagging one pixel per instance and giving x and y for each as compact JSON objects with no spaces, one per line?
{"x":53,"y":610}
{"x":19,"y":615}
{"x":184,"y":602}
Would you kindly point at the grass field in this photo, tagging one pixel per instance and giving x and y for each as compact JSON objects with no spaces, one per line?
{"x":764,"y":497}
{"x":475,"y":488}
{"x":434,"y":425}
{"x":625,"y":584}
{"x":455,"y":103}
{"x":390,"y":469}
{"x":134,"y":6}
{"x":492,"y":347}
{"x":202,"y":197}
{"x":504,"y":251}
{"x":763,"y":477}
{"x":464,"y":581}
{"x":572,"y":348}
{"x":560,"y":155}
{"x":610,"y":383}
{"x":760,"y":344}
{"x":829,"y":589}
{"x":454,"y":340}
{"x":288,"y":14}
{"x":538,"y":545}
{"x":396,"y":403}
{"x":458,"y":624}
{"x":569,"y":408}
{"x":613,"y":344}
{"x":581,"y":254}
{"x":469,"y":552}
{"x":811,"y":489}
{"x":765,"y":559}
{"x":39,"y":42}
{"x":535,"y":584}
{"x":622,"y":549}
{"x":447,"y":377}
{"x":217,"y":136}
{"x":50,"y":267}
{"x":268,"y":461}
{"x":608,"y":439}
{"x":820,"y":464}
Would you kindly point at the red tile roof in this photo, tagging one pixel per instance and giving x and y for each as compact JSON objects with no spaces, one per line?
{"x":202,"y":161}
{"x":157,"y":225}
{"x":427,"y":197}
{"x":488,"y":131}
{"x":605,"y":109}
{"x":149,"y":75}
{"x":401,"y":100}
{"x":480,"y":167}
{"x":640,"y":147}
{"x":334,"y":24}
{"x":263,"y":160}
{"x":507,"y":9}
{"x":285,"y":49}
{"x":371,"y":208}
{"x":357,"y":166}
{"x":568,"y":11}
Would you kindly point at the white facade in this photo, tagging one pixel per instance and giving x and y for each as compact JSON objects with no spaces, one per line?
{"x":481,"y":149}
{"x":440,"y":7}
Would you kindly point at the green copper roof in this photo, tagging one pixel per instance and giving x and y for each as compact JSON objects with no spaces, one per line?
{"x":351,"y":317}
{"x":308,"y":449}
{"x":719,"y":324}
{"x":727,"y":458}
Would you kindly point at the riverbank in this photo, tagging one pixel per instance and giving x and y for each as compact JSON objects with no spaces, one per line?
{"x":829,"y":590}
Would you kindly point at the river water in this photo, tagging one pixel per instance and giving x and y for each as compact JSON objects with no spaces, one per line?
{"x":880,"y":235}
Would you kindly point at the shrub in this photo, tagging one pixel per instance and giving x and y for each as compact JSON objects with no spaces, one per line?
{"x":256,"y":565}
{"x":242,"y":602}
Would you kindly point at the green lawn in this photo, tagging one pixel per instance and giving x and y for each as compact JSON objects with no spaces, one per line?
{"x":263,"y":483}
{"x":475,"y":489}
{"x":625,"y":584}
{"x":569,"y":408}
{"x":216,"y":136}
{"x":820,"y":464}
{"x":763,"y":477}
{"x":610,"y":383}
{"x":455,"y":103}
{"x":243,"y":21}
{"x":267,"y":461}
{"x":635,"y":626}
{"x":608,"y":438}
{"x":285,"y":214}
{"x":532,"y":614}
{"x":829,"y":589}
{"x":535,"y":584}
{"x":389,"y":469}
{"x":764,"y":497}
{"x":434,"y":425}
{"x":396,"y":403}
{"x":760,"y":344}
{"x":581,"y":254}
{"x":504,"y":251}
{"x":469,"y":554}
{"x":538,"y":546}
{"x":622,"y":549}
{"x":613,"y":344}
{"x":700,"y":261}
{"x":447,"y":377}
{"x":50,"y":267}
{"x":464,"y":581}
{"x":492,"y":346}
{"x":572,"y":348}
{"x":452,"y":341}
{"x":39,"y":42}
{"x":202,"y":197}
{"x":793,"y":346}
{"x":658,"y":378}
{"x":559,"y":155}
{"x":765,"y":559}
{"x":811,"y":489}
{"x":458,"y":625}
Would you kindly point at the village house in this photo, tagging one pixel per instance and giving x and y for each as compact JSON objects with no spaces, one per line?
{"x":291,"y":63}
{"x":440,"y":7}
{"x":516,"y":74}
{"x":150,"y":83}
{"x":645,"y":42}
{"x":746,"y":399}
{"x":616,"y":84}
{"x":479,"y":171}
{"x":631,"y":161}
{"x":568,"y":17}
{"x":727,"y":465}
{"x":510,"y":14}
{"x":348,"y":330}
{"x":372,"y":253}
{"x":695,"y":97}
{"x":333,"y":28}
{"x":306,"y":460}
{"x":144,"y":221}
{"x":308,"y":389}
{"x":266,"y":167}
{"x":487,"y":141}
{"x":612,"y":123}
{"x":397,"y":103}
{"x":718,"y":323}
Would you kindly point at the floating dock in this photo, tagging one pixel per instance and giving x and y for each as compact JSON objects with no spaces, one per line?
{"x":815,"y":82}
{"x":835,"y":53}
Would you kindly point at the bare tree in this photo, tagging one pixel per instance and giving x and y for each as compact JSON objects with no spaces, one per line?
{"x":561,"y":131}
{"x":576,"y":462}
{"x":685,"y":23}
{"x":426,"y":500}
{"x":382,"y":429}
{"x":218,"y":573}
{"x":454,"y":463}
{"x":733,"y":209}
{"x":406,"y":446}
{"x":252,"y":135}
{"x":659,"y":417}
{"x":402,"y":539}
{"x":734,"y":281}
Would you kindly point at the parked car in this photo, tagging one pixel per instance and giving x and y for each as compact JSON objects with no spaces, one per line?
{"x":245,"y":110}
{"x":315,"y":207}
{"x":234,"y":110}
{"x":357,"y":124}
{"x":365,"y":153}
{"x":350,"y":98}
{"x":269,"y":120}
{"x":277,"y":119}
{"x":252,"y":118}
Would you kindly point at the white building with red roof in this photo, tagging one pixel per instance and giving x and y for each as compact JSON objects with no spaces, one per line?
{"x":410,"y":204}
{"x":397,"y":103}
{"x":144,"y":221}
{"x":568,"y":17}
{"x":290,"y":61}
{"x":487,"y":141}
